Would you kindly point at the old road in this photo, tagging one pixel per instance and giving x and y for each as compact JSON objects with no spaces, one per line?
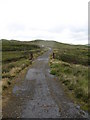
{"x":40,"y":95}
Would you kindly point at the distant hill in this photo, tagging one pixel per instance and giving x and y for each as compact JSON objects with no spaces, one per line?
{"x":14,"y":45}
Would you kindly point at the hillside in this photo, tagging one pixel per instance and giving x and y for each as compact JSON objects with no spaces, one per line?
{"x":15,"y":58}
{"x":70,"y":64}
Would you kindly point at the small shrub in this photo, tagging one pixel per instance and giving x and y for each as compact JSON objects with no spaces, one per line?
{"x":85,"y":98}
{"x":71,"y":87}
{"x":66,"y":82}
{"x":53,"y":72}
{"x":67,"y":70}
{"x":4,"y":70}
{"x":11,"y":66}
{"x":79,"y":93}
{"x":66,"y":65}
{"x":6,"y":75}
{"x":9,"y":83}
{"x":4,"y":87}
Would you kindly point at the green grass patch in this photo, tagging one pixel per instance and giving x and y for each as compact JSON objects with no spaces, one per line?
{"x":15,"y":58}
{"x":74,"y":77}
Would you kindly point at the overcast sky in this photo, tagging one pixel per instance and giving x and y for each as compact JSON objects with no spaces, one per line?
{"x":61,"y":20}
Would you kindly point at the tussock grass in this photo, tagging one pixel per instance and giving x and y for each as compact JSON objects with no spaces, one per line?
{"x":15,"y":58}
{"x":73,"y":55}
{"x":71,"y":66}
{"x":74,"y":77}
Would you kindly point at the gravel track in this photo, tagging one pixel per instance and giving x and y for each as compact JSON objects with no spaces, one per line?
{"x":41,"y":95}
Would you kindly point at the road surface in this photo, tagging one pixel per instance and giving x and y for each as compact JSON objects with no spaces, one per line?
{"x":40,"y":95}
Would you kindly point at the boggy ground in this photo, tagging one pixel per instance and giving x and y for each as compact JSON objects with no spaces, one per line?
{"x":39,"y":95}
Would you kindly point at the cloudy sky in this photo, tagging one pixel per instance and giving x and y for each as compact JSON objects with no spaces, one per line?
{"x":61,"y":20}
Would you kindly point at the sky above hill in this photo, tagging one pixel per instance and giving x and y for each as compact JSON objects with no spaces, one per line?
{"x":61,"y":20}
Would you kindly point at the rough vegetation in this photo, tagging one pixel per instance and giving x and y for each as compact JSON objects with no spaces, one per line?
{"x":70,"y":64}
{"x":15,"y":58}
{"x":71,"y":67}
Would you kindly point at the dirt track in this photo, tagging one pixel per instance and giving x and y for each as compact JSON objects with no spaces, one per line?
{"x":40,"y":95}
